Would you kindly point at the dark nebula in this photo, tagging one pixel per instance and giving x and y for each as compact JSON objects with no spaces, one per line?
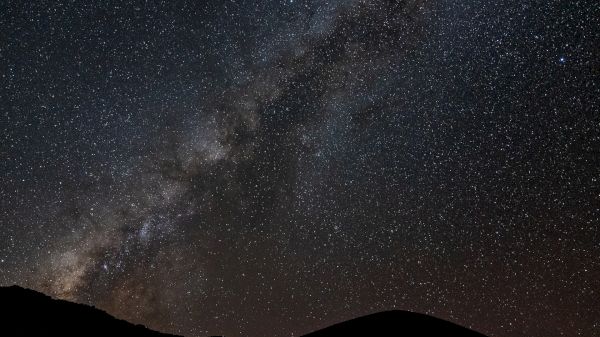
{"x":269,"y":168}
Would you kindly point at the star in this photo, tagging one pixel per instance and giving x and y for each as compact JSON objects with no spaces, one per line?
{"x":303,"y":162}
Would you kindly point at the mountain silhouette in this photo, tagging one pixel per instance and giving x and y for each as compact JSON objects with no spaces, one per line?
{"x":395,"y":323}
{"x":25,"y":312}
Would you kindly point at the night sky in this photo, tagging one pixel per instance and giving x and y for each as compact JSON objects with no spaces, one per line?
{"x":268,"y":168}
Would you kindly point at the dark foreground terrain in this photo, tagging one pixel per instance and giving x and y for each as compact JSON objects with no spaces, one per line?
{"x":25,"y":312}
{"x":395,"y":323}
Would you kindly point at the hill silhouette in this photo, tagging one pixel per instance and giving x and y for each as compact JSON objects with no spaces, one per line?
{"x":395,"y":323}
{"x":25,"y":312}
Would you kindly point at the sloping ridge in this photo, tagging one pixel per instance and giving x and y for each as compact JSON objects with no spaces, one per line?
{"x":395,"y":323}
{"x":25,"y":312}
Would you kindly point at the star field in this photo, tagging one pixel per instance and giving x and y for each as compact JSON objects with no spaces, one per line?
{"x":268,"y":168}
